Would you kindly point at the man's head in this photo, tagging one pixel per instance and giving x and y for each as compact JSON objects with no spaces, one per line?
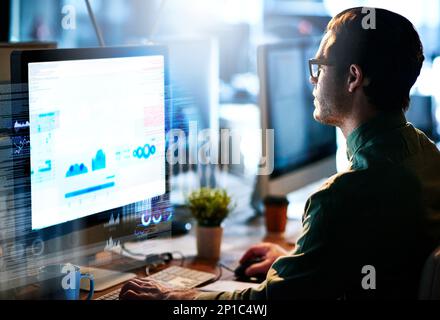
{"x":364,"y":67}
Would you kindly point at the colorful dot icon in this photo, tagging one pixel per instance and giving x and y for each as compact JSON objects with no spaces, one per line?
{"x":144,"y":152}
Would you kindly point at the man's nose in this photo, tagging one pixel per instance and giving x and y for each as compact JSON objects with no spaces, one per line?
{"x":313,"y":80}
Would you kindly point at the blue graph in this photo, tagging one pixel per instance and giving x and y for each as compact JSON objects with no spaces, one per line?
{"x":89,"y":190}
{"x":47,"y":168}
{"x":21,"y":125}
{"x":76,"y":170}
{"x":99,"y":162}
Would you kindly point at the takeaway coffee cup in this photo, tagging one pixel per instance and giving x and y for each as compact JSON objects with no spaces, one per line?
{"x":276,"y":214}
{"x":62,"y":282}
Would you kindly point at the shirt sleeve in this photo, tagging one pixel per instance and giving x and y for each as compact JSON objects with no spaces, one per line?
{"x":305,"y":274}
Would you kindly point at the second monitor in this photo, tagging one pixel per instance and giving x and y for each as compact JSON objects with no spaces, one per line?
{"x":304,"y":150}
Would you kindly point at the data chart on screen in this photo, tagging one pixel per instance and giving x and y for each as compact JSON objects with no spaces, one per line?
{"x":97,"y":136}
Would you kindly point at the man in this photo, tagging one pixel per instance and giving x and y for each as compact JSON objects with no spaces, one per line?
{"x":367,"y":232}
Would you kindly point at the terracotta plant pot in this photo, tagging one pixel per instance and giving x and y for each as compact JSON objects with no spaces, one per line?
{"x":209,"y":240}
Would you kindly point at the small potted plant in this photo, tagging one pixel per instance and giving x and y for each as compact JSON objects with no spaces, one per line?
{"x":209,"y":207}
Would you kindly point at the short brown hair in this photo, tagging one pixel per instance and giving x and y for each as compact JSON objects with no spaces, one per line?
{"x":390,"y":55}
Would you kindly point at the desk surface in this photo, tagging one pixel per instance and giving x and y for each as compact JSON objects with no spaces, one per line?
{"x":240,"y":233}
{"x":237,"y":238}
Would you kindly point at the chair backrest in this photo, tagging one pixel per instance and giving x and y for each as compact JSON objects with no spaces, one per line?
{"x":430,"y":280}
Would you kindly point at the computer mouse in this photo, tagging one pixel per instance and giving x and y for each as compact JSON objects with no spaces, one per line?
{"x":240,"y":271}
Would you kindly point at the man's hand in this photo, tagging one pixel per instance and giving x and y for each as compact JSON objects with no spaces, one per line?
{"x":142,"y":289}
{"x":269,"y":252}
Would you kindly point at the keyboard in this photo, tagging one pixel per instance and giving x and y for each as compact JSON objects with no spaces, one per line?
{"x":174,"y":277}
{"x":114,"y":295}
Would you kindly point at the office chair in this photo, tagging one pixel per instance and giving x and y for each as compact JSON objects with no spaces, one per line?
{"x":430,"y":280}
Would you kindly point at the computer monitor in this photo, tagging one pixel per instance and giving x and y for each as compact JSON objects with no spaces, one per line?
{"x":93,"y":135}
{"x":421,"y":114}
{"x":304,"y":150}
{"x":5,"y":55}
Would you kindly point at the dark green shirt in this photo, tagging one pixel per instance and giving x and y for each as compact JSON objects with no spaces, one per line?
{"x":384,"y":212}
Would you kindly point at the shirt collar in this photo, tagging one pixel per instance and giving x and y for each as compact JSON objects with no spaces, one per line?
{"x":376,"y":126}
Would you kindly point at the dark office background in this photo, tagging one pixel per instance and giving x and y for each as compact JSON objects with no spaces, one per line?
{"x":5,"y":9}
{"x":132,"y":21}
{"x":239,"y":26}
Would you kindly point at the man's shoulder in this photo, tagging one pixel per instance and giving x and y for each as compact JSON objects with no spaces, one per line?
{"x":396,"y":147}
{"x":346,"y":189}
{"x":337,"y":189}
{"x":343,"y":181}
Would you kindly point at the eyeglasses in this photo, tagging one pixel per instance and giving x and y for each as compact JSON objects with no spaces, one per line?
{"x":315,"y":67}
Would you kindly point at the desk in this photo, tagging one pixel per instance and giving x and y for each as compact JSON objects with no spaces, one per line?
{"x":240,"y":232}
{"x":237,"y":238}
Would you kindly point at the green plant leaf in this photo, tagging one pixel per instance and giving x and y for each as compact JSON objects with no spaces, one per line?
{"x":210,"y":206}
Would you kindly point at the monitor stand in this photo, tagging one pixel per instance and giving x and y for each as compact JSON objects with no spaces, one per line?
{"x":110,"y":274}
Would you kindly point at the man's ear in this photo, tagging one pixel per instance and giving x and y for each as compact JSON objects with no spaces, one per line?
{"x":355,"y":78}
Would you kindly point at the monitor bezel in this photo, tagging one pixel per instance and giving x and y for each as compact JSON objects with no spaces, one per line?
{"x":20,"y":61}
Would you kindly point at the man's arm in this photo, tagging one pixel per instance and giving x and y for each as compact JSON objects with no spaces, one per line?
{"x":309,"y":272}
{"x":314,"y":270}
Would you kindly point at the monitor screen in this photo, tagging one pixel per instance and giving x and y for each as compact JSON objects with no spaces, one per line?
{"x":299,"y":138}
{"x":97,"y":134}
{"x":422,"y":115}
